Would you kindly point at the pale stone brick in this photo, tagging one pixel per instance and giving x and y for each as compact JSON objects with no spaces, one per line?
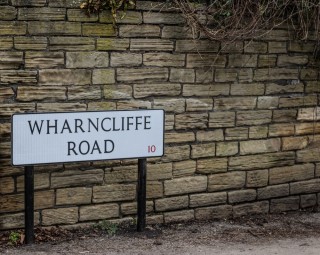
{"x":257,"y":132}
{"x":70,"y":196}
{"x":300,"y":46}
{"x":98,"y":212}
{"x":93,"y":29}
{"x":260,"y":146}
{"x":154,"y":189}
{"x":6,"y":110}
{"x":154,"y":6}
{"x":221,"y":119}
{"x":12,"y":221}
{"x":294,"y":143}
{"x":225,"y":181}
{"x":125,"y":59}
{"x":257,"y":117}
{"x":6,"y":94}
{"x":158,"y":172}
{"x":182,"y":75}
{"x":89,"y":59}
{"x":237,"y":133}
{"x":13,"y":28}
{"x":72,"y":44}
{"x":277,"y":47}
{"x":310,"y":186}
{"x":176,"y":105}
{"x":127,"y":17}
{"x":185,"y":185}
{"x":163,"y":59}
{"x":76,"y":178}
{"x":307,"y":128}
{"x":251,"y":208}
{"x":202,"y":150}
{"x":257,"y":178}
{"x":28,"y":94}
{"x":284,"y":115}
{"x":41,"y":181}
{"x":242,"y":196}
{"x":235,"y":103}
{"x":308,"y":200}
{"x":163,"y":18}
{"x":18,"y":76}
{"x":62,"y":3}
{"x":312,"y":114}
{"x":240,"y":60}
{"x":195,"y":104}
{"x":151,"y":45}
{"x":191,"y":120}
{"x":232,"y":47}
{"x":268,"y":74}
{"x":133,"y":104}
{"x":54,"y":27}
{"x":76,"y":15}
{"x":227,"y":149}
{"x":273,"y":88}
{"x":250,"y":89}
{"x":206,"y":90}
{"x":206,"y":60}
{"x":139,"y":31}
{"x":285,"y":60}
{"x":179,"y":216}
{"x":179,"y":137}
{"x":197,"y":46}
{"x":155,"y":219}
{"x":309,"y":74}
{"x":117,"y":92}
{"x":184,"y":168}
{"x":121,"y":174}
{"x":309,"y":154}
{"x":214,"y":212}
{"x":11,"y":60}
{"x":114,"y":192}
{"x":159,"y":89}
{"x":84,"y":93}
{"x":5,"y":129}
{"x":255,"y":47}
{"x":43,"y":13}
{"x":110,"y":44}
{"x":281,"y":190}
{"x":101,"y":106}
{"x":206,"y":199}
{"x":64,"y":77}
{"x":177,"y":32}
{"x":60,"y":216}
{"x":204,"y":75}
{"x":142,"y":74}
{"x":261,"y":161}
{"x":284,"y":204}
{"x":6,"y":43}
{"x":131,"y":208}
{"x":225,"y":75}
{"x":295,"y":101}
{"x":103,"y":76}
{"x":176,"y":153}
{"x":171,"y":203}
{"x":7,"y":185}
{"x":268,"y":102}
{"x":281,"y":130}
{"x":61,"y":107}
{"x":209,"y":136}
{"x":8,"y":12}
{"x":245,"y":75}
{"x":43,"y":60}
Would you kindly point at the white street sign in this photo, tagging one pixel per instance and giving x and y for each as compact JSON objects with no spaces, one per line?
{"x":43,"y":138}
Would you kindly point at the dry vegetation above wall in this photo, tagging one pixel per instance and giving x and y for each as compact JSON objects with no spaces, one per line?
{"x":242,"y":116}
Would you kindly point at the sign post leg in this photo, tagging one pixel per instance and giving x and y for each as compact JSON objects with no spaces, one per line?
{"x":29,"y":204}
{"x":142,"y":181}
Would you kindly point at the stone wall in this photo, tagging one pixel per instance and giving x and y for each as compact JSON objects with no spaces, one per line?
{"x":242,"y":118}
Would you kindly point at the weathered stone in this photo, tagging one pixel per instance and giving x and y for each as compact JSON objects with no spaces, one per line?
{"x":13,"y":28}
{"x":214,"y":212}
{"x":43,"y":13}
{"x":276,"y":74}
{"x":72,"y":44}
{"x":285,"y":60}
{"x":117,"y":92}
{"x":209,"y":136}
{"x":284,"y":204}
{"x":154,"y":6}
{"x":237,"y":133}
{"x":28,"y":94}
{"x":18,"y":76}
{"x":155,"y":219}
{"x":312,"y":114}
{"x":76,"y":178}
{"x":158,"y":172}
{"x":8,"y":12}
{"x":54,"y":27}
{"x":154,"y":189}
{"x":127,"y":17}
{"x":227,"y":149}
{"x":184,"y":168}
{"x":61,"y":107}
{"x":98,"y":212}
{"x":308,"y":200}
{"x":64,"y":77}
{"x":62,"y":3}
{"x":185,"y":185}
{"x":191,"y":120}
{"x":163,"y":18}
{"x":6,"y":94}
{"x":294,"y":143}
{"x":170,"y":104}
{"x":262,"y":161}
{"x":125,"y":59}
{"x":11,"y":60}
{"x":41,"y":181}
{"x":281,"y":130}
{"x":179,"y":216}
{"x":177,"y":32}
{"x":204,"y":75}
{"x":284,"y":115}
{"x":6,"y":43}
{"x":226,"y":75}
{"x":309,"y":74}
{"x":114,"y":192}
{"x":73,"y":196}
{"x":151,"y":45}
{"x":257,"y":178}
{"x":92,"y":29}
{"x":292,"y":173}
{"x":277,"y":47}
{"x":5,"y":129}
{"x":310,"y":186}
{"x":12,"y":221}
{"x":301,"y":46}
{"x":235,"y":103}
{"x":295,"y":101}
{"x":232,"y":47}
{"x":221,"y":119}
{"x":142,"y":74}
{"x":268,"y":102}
{"x":171,"y":203}
{"x":179,"y":137}
{"x":7,"y":185}
{"x":121,"y":174}
{"x":112,"y":44}
{"x":139,"y":31}
{"x":133,"y":104}
{"x":87,"y":59}
{"x":6,"y":110}
{"x":60,"y":216}
{"x":310,"y":153}
{"x":206,"y":199}
{"x":101,"y":106}
{"x":163,"y":59}
{"x":251,"y":208}
{"x":182,"y":75}
{"x":84,"y":93}
{"x":273,"y":88}
{"x":307,"y":128}
{"x":255,"y":47}
{"x":245,"y":75}
{"x":257,"y":132}
{"x":225,"y":181}
{"x":103,"y":76}
{"x":197,"y":46}
{"x":257,"y":117}
{"x":242,"y":196}
{"x":251,"y":89}
{"x":281,"y":190}
{"x":206,"y":60}
{"x":260,"y":146}
{"x":77,"y":15}
{"x":28,"y":2}
{"x":240,"y":60}
{"x":44,"y":59}
{"x":203,"y":150}
{"x":160,"y":89}
{"x":131,"y":208}
{"x":205,"y":90}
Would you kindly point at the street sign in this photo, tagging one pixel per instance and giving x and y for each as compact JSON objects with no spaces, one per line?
{"x":44,"y":138}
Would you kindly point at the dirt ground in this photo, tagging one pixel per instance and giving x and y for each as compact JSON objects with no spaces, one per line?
{"x":294,"y":234}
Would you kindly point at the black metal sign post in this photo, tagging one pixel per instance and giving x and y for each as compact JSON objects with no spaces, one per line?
{"x":29,"y":204}
{"x":142,"y":194}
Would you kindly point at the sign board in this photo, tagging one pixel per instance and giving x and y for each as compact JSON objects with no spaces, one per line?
{"x":44,"y":138}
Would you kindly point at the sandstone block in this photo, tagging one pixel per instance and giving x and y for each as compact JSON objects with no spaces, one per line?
{"x":121,"y":174}
{"x":64,"y":77}
{"x":309,"y":154}
{"x":177,"y":32}
{"x":142,"y":74}
{"x":117,"y":91}
{"x":89,"y":59}
{"x":214,"y":212}
{"x":170,"y":104}
{"x":206,"y":199}
{"x":296,"y":101}
{"x":312,"y":114}
{"x":310,"y":186}
{"x":277,"y":47}
{"x":13,"y":28}
{"x":309,"y":74}
{"x":232,"y":47}
{"x":250,"y":89}
{"x":114,"y":192}
{"x":103,"y":76}
{"x":6,"y":94}
{"x":209,"y":136}
{"x":260,"y":146}
{"x":242,"y":196}
{"x":179,"y":137}
{"x":179,"y":216}
{"x":30,"y":43}
{"x":77,"y":15}
{"x":221,"y":119}
{"x":6,"y":110}
{"x":139,"y":31}
{"x":151,"y":45}
{"x":159,"y":171}
{"x":84,"y":93}
{"x":163,"y":59}
{"x":203,"y":150}
{"x":28,"y":94}
{"x":11,"y":60}
{"x":205,"y":90}
{"x":291,"y":173}
{"x":212,"y":165}
{"x":225,"y":181}
{"x":110,"y":44}
{"x":159,"y":89}
{"x":206,"y":60}
{"x":54,"y":27}
{"x":163,"y":18}
{"x":182,"y":75}
{"x":268,"y":102}
{"x":8,"y":12}
{"x":185,"y":185}
{"x":98,"y":212}
{"x":197,"y":46}
{"x":284,"y":204}
{"x":60,"y":216}
{"x":235,"y":103}
{"x":303,"y":47}
{"x":225,"y":75}
{"x":61,"y":107}
{"x":308,"y":200}
{"x":12,"y":221}
{"x":262,"y":161}
{"x":257,"y":132}
{"x":273,"y":88}
{"x":191,"y":120}
{"x":43,"y":13}
{"x":43,"y":60}
{"x":240,"y":60}
{"x":6,"y":43}
{"x":204,"y":75}
{"x":71,"y":178}
{"x":226,"y":149}
{"x":72,"y":44}
{"x":94,"y":29}
{"x":134,"y":104}
{"x":41,"y":181}
{"x":12,"y":203}
{"x":19,"y":76}
{"x":73,"y":196}
{"x":155,"y":219}
{"x":184,"y":168}
{"x":276,"y":74}
{"x":154,"y":189}
{"x":7,"y":185}
{"x":28,"y":2}
{"x":294,"y":143}
{"x":285,"y":60}
{"x":284,"y":115}
{"x":251,"y":208}
{"x":237,"y":133}
{"x":171,"y":203}
{"x":273,"y":191}
{"x":131,"y":208}
{"x":101,"y":106}
{"x":128,"y":17}
{"x":307,"y":128}
{"x":257,"y":117}
{"x":125,"y":59}
{"x":255,"y":47}
{"x":257,"y":178}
